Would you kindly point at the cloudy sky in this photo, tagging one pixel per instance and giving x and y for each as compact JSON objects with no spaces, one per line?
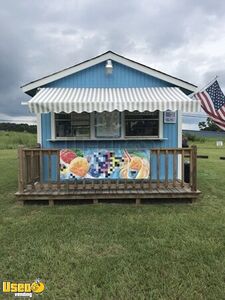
{"x":183,"y":38}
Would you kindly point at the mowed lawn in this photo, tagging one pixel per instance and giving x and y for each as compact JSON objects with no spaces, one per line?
{"x":158,"y":251}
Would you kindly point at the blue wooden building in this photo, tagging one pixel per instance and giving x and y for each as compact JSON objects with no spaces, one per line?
{"x":108,"y":127}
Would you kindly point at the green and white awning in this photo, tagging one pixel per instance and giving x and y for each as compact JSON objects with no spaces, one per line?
{"x":110,"y":99}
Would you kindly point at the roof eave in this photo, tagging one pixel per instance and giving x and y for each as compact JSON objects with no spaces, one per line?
{"x":28,"y":88}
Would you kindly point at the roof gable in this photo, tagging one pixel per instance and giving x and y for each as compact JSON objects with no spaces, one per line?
{"x":30,"y":87}
{"x":121,"y":77}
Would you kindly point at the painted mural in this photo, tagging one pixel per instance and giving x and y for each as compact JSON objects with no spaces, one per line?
{"x":104,"y":164}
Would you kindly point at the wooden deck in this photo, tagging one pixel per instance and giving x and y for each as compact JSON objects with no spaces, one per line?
{"x":33,"y":187}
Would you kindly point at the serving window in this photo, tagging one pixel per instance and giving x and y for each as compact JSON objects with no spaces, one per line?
{"x":72,"y":125}
{"x":142,"y":124}
{"x":107,"y":125}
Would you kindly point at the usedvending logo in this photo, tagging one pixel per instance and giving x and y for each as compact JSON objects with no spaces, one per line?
{"x":23,"y":289}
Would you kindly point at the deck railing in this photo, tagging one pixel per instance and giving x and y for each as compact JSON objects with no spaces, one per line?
{"x":31,"y":166}
{"x":178,"y":157}
{"x":41,"y":167}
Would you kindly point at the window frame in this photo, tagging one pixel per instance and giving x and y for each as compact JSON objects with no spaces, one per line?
{"x":118,"y":136}
{"x":139,"y":136}
{"x":69,"y":137}
{"x":92,"y":131}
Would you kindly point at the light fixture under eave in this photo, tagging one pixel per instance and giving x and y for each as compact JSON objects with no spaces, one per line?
{"x":108,"y":67}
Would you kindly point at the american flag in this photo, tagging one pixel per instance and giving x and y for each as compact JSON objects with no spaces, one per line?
{"x":213,"y":102}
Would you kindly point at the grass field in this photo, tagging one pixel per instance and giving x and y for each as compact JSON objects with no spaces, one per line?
{"x":11,"y":140}
{"x":163,"y":251}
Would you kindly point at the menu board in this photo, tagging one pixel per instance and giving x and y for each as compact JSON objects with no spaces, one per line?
{"x":170,"y":116}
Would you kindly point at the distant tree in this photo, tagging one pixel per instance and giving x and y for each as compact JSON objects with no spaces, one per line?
{"x":208,"y":125}
{"x":18,"y":127}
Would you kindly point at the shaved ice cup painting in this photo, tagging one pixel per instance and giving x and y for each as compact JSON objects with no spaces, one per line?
{"x":104,"y":164}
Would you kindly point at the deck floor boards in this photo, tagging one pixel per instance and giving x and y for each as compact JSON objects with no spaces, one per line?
{"x":104,"y":191}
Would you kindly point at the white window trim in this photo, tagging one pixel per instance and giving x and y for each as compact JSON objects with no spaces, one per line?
{"x":160,"y":124}
{"x":179,"y":129}
{"x":92,"y":126}
{"x":179,"y":141}
{"x":92,"y":131}
{"x":53,"y":126}
{"x":39,"y":135}
{"x":123,"y":124}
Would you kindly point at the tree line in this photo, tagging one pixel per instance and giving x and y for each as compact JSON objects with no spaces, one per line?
{"x":209,"y":125}
{"x":23,"y":127}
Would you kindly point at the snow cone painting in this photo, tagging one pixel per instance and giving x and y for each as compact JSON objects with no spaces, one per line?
{"x":103,"y":164}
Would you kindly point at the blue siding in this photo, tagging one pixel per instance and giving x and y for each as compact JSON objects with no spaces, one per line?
{"x":95,"y":77}
{"x":169,"y":133}
{"x":122,"y":76}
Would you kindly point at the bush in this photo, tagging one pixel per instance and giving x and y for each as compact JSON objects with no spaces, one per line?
{"x":194,"y":138}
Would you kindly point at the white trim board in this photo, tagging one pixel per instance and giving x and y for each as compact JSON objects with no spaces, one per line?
{"x":161,"y":124}
{"x":39,"y":134}
{"x":101,"y":58}
{"x":179,"y":140}
{"x":179,"y":129}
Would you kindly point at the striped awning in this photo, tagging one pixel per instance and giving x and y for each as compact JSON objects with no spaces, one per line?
{"x":109,"y":99}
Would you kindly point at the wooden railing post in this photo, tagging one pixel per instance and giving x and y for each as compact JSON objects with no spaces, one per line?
{"x":21,"y":169}
{"x":41,"y":168}
{"x":58,"y":169}
{"x":190,"y":153}
{"x":32,"y":176}
{"x":49,"y":153}
{"x":175,"y":157}
{"x":166,"y":168}
{"x":150,"y":172}
{"x":182,"y":168}
{"x":194,"y":168}
{"x":158,"y":168}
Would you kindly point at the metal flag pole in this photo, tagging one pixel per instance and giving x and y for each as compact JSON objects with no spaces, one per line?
{"x":204,"y":87}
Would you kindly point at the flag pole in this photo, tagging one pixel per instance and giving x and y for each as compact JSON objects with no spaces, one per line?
{"x":209,"y":83}
{"x":204,"y":87}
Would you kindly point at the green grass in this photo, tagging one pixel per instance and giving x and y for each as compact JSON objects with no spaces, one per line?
{"x":164,"y":251}
{"x":11,"y":140}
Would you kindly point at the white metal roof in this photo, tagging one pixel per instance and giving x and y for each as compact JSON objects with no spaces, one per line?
{"x":27,"y":88}
{"x":109,"y":99}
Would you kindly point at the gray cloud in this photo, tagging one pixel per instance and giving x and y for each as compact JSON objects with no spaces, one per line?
{"x":183,"y":38}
